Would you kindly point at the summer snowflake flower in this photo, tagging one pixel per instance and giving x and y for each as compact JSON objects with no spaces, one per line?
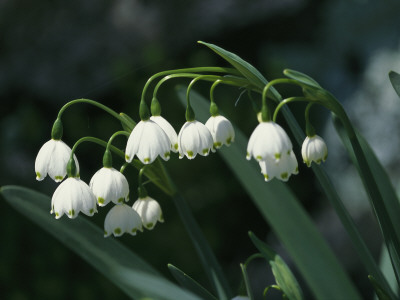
{"x":120,"y":219}
{"x":108,"y":184}
{"x":149,"y":210}
{"x":194,"y":138}
{"x":281,"y":169}
{"x":268,"y":141}
{"x":314,"y":149}
{"x":71,"y":197}
{"x":221,"y":130}
{"x":147,"y":140}
{"x":52,"y":159}
{"x":169,"y":130}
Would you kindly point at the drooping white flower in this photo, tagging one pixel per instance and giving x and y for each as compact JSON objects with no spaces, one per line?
{"x":108,"y":184}
{"x":194,"y":138}
{"x":314,"y":150}
{"x":268,"y":140}
{"x":169,"y":130}
{"x":120,"y":219}
{"x":281,"y":169}
{"x":52,"y":159}
{"x":149,"y":210}
{"x":71,"y":197}
{"x":147,"y":140}
{"x":221,"y":130}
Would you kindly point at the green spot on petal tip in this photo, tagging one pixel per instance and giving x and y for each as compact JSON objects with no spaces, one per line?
{"x":117,"y":230}
{"x":190,"y":153}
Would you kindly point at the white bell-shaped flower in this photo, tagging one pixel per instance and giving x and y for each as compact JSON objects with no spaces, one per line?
{"x":120,"y":219}
{"x":194,"y":138}
{"x":221,"y":130}
{"x":268,"y":141}
{"x":147,"y":140}
{"x":71,"y":197}
{"x":169,"y":130}
{"x":108,"y":184}
{"x":149,"y":210}
{"x":314,"y":149}
{"x":52,"y":159}
{"x":281,"y":169}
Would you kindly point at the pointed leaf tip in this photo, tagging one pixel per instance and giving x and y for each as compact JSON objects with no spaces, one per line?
{"x":395,"y":81}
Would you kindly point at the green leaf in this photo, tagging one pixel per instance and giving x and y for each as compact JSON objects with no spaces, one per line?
{"x":395,"y":80}
{"x":281,"y":209}
{"x":283,"y":276}
{"x":189,"y":283}
{"x":301,"y":77}
{"x":207,"y":258}
{"x":108,"y":256}
{"x":380,"y":292}
{"x":246,"y":69}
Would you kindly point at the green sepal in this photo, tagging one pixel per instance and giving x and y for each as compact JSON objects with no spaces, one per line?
{"x":71,"y":168}
{"x":107,"y":159}
{"x":57,"y":130}
{"x":310,"y":130}
{"x":155,"y":107}
{"x":380,"y":292}
{"x":142,"y":192}
{"x":214,"y":109}
{"x":144,"y":112}
{"x":127,"y":122}
{"x":190,"y":115}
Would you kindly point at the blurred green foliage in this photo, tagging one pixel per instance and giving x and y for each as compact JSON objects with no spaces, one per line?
{"x":55,"y":51}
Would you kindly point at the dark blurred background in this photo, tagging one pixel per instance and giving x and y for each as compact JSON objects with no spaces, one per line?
{"x":55,"y":51}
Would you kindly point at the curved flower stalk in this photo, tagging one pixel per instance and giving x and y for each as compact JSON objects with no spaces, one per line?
{"x":108,"y":184}
{"x":149,"y":210}
{"x":269,"y":141}
{"x":194,"y":138}
{"x":71,"y":197}
{"x":281,"y":169}
{"x":122,"y":219}
{"x":221,"y":130}
{"x":52,"y":160}
{"x":314,"y":149}
{"x":169,"y":130}
{"x":147,"y":141}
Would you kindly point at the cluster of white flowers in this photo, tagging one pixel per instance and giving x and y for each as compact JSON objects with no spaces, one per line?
{"x":156,"y":137}
{"x":152,"y":137}
{"x":270,"y":145}
{"x":107,"y":185}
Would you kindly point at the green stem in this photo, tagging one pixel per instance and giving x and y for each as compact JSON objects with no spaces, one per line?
{"x":286,"y":101}
{"x":188,"y":70}
{"x":95,"y":103}
{"x":247,"y":282}
{"x":122,"y":132}
{"x":310,"y":130}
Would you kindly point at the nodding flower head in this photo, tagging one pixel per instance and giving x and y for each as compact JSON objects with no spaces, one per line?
{"x":122,"y":219}
{"x":52,"y":160}
{"x":71,"y":197}
{"x":269,"y":141}
{"x":169,"y":130}
{"x":147,"y":140}
{"x":149,"y":210}
{"x":314,"y":150}
{"x":281,"y":169}
{"x":108,"y":184}
{"x":221,"y":130}
{"x":194,"y":138}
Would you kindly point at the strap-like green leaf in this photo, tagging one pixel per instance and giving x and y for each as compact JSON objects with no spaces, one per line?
{"x":189,"y":283}
{"x":108,"y":256}
{"x":301,"y":77}
{"x":290,"y":222}
{"x":395,"y":80}
{"x":283,"y":275}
